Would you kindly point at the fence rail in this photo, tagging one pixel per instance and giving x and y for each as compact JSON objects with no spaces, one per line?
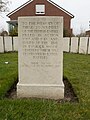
{"x":70,"y":44}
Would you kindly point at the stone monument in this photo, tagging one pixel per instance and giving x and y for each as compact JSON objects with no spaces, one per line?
{"x":40,"y":57}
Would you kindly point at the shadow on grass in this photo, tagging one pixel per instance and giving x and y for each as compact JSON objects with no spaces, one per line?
{"x":69,"y":94}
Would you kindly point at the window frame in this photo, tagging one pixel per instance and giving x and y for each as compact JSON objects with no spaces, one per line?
{"x":37,"y":9}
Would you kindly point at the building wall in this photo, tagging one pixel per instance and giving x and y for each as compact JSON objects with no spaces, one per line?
{"x":50,"y":10}
{"x":88,"y":33}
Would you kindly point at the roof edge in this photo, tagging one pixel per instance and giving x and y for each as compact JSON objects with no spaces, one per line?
{"x":23,"y":5}
{"x":50,"y":1}
{"x":61,"y":8}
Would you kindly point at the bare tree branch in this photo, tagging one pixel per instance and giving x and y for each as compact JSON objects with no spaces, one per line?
{"x":4,"y":5}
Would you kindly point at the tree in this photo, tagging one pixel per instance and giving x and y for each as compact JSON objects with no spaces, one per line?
{"x":82,"y":32}
{"x":4,"y":5}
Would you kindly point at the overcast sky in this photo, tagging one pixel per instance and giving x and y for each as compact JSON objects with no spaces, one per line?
{"x":79,"y":8}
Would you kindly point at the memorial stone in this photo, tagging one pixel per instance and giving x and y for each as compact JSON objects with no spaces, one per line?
{"x":74,"y":44}
{"x":89,"y":46}
{"x":1,"y":45}
{"x":8,"y":43}
{"x":83,"y":45}
{"x":15,"y":43}
{"x":66,"y":41}
{"x":40,"y":57}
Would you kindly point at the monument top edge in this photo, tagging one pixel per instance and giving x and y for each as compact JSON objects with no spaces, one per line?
{"x":40,"y":17}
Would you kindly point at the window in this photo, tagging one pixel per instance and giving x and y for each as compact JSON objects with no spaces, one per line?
{"x":40,"y":9}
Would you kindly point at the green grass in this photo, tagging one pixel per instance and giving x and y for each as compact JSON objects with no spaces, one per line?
{"x":8,"y":72}
{"x":76,"y":69}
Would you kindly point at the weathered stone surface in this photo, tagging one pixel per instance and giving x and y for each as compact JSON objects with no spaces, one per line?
{"x":1,"y":45}
{"x":8,"y":43}
{"x":40,"y":57}
{"x":89,"y":46}
{"x":74,"y":45}
{"x":66,"y":41}
{"x":15,"y":43}
{"x":83,"y":45}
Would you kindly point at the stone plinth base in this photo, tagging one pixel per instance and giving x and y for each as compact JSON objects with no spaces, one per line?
{"x":40,"y":91}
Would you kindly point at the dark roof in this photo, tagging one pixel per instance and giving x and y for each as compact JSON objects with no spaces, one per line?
{"x":48,"y":1}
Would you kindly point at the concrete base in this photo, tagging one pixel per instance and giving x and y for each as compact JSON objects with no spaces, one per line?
{"x":50,"y":91}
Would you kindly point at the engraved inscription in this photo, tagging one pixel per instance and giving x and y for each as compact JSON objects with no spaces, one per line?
{"x":40,"y":41}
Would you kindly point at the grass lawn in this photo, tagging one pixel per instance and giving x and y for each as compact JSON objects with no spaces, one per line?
{"x":76,"y":69}
{"x":8,"y":72}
